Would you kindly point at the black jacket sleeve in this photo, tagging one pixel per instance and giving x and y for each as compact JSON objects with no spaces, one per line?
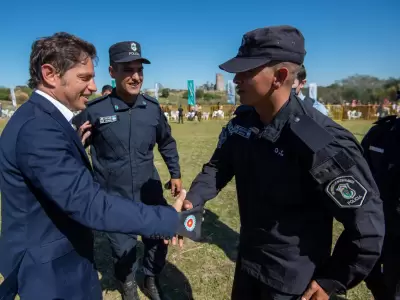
{"x":167,"y":147}
{"x":215,"y":174}
{"x":78,"y":121}
{"x":350,"y":193}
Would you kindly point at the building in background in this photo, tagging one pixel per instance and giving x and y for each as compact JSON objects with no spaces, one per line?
{"x":219,"y":82}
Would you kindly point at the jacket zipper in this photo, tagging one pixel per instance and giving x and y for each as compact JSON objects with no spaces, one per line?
{"x":130,"y":153}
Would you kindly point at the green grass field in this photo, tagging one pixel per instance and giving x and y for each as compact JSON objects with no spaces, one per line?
{"x":203,"y":270}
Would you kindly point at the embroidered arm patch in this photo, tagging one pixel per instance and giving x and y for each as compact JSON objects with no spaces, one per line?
{"x":346,"y":191}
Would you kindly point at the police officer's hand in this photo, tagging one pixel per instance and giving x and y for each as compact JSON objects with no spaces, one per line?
{"x":176,"y":187}
{"x":84,"y":131}
{"x":315,"y":292}
{"x":178,"y":205}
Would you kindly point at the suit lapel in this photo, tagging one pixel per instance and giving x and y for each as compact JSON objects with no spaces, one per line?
{"x":49,"y":108}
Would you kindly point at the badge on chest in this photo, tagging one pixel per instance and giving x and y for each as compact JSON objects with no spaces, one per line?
{"x":108,"y":119}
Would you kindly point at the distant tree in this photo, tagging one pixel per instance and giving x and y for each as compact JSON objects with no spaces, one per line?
{"x":199,"y":94}
{"x":165,"y":93}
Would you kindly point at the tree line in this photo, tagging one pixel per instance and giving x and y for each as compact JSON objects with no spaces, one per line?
{"x":363,"y":88}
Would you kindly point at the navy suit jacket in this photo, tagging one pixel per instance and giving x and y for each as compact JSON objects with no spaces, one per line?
{"x":50,"y":203}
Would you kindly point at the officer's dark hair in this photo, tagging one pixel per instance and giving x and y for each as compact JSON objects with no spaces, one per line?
{"x":302,"y":74}
{"x":61,"y":50}
{"x":293,"y":68}
{"x":107,"y":87}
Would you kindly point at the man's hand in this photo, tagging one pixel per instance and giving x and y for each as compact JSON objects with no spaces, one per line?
{"x":315,"y":292}
{"x":178,"y":205}
{"x":84,"y":132}
{"x":176,"y":187}
{"x":179,"y":202}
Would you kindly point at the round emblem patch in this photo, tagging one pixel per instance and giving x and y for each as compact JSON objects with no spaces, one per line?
{"x":190,"y":223}
{"x":347,"y":191}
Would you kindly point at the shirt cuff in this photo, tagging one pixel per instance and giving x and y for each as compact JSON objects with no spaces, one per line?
{"x":331,"y":286}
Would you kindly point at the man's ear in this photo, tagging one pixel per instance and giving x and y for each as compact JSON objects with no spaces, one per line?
{"x":111,"y":71}
{"x":49,"y":74}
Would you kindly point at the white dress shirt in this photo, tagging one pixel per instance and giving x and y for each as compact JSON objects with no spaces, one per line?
{"x":61,"y":107}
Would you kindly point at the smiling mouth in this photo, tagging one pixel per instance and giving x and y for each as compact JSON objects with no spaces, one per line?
{"x":134,"y":84}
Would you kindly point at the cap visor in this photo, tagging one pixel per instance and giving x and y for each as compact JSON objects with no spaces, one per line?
{"x":132,"y":58}
{"x":243,"y":64}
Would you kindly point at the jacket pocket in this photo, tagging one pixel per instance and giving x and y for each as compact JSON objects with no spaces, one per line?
{"x":52,"y":250}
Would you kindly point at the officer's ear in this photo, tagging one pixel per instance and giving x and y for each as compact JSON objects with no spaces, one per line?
{"x":281,"y":76}
{"x":112,"y":69}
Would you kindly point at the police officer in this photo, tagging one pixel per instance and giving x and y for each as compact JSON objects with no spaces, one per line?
{"x":381,"y":150}
{"x":295,"y":171}
{"x":299,"y":83}
{"x":126,"y":125}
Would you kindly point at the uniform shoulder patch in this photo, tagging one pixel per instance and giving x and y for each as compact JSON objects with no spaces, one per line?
{"x":313,"y":135}
{"x":96,"y":100}
{"x":346,"y":191}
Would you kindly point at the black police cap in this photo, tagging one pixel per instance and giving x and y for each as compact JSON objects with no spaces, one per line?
{"x":126,"y":52}
{"x":263,"y":45}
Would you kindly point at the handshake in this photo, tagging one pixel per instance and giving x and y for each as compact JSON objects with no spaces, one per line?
{"x":190,"y":220}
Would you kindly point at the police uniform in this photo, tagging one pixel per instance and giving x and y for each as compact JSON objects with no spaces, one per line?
{"x":121,"y":146}
{"x":381,"y":150}
{"x":293,"y":176}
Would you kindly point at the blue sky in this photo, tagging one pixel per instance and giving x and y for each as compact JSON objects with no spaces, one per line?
{"x":189,"y":39}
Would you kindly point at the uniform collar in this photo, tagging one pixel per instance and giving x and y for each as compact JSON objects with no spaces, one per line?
{"x":120,"y":105}
{"x":289,"y":111}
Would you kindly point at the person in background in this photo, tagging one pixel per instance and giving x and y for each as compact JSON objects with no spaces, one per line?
{"x":381,"y":147}
{"x":299,"y":83}
{"x":180,"y":114}
{"x":106,"y":90}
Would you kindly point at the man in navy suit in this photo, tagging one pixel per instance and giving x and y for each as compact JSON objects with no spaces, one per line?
{"x":50,"y":202}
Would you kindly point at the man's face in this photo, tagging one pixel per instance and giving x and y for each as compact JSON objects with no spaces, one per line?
{"x":106,"y":92}
{"x":128,"y":77}
{"x":298,"y":85}
{"x":76,"y":85}
{"x":254,"y":85}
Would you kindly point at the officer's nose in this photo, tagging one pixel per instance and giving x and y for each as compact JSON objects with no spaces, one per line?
{"x":237,"y":79}
{"x":135,"y":76}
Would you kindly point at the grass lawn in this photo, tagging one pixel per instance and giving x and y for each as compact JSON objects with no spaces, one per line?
{"x":203,"y":270}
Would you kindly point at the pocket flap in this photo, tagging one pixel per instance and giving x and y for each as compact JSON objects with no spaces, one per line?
{"x":52,"y":250}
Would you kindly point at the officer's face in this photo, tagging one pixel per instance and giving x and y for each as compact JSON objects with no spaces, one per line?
{"x":254,"y":85}
{"x":76,"y":85}
{"x":128,"y":77}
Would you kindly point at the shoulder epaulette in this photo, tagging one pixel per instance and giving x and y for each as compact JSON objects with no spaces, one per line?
{"x":149,"y":98}
{"x":243,"y":109}
{"x":313,"y":135}
{"x":96,"y":100}
{"x":388,"y":119}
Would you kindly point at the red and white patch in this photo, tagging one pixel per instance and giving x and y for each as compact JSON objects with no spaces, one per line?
{"x":190,"y":223}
